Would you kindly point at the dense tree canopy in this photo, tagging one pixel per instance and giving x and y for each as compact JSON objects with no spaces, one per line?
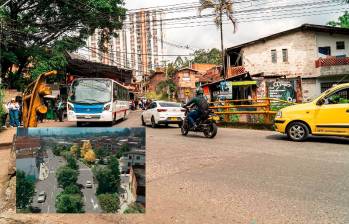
{"x":66,"y":176}
{"x":69,"y":203}
{"x":106,"y":181}
{"x":40,"y":31}
{"x":25,"y":189}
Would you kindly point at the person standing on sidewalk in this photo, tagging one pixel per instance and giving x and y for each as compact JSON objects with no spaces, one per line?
{"x":59,"y":109}
{"x":4,"y":116}
{"x":13,"y":108}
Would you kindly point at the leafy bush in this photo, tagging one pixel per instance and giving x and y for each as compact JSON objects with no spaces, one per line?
{"x":109,"y":202}
{"x":134,"y":208}
{"x":69,"y":203}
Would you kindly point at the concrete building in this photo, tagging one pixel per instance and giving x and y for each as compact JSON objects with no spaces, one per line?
{"x":185,"y":80}
{"x":132,"y":158}
{"x":139,"y":45}
{"x":318,"y":56}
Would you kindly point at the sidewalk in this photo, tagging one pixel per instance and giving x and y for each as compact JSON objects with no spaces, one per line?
{"x":6,"y":136}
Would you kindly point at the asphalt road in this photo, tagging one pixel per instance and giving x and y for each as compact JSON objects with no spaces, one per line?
{"x":50,"y":185}
{"x":90,"y":200}
{"x":242,"y":176}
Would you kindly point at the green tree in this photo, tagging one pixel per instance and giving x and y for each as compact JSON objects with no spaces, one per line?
{"x":71,"y":162}
{"x":106,"y":181}
{"x":40,"y":31}
{"x":66,"y":176}
{"x":124,"y":148}
{"x":343,"y":21}
{"x":109,"y":202}
{"x":69,"y":203}
{"x":220,"y":8}
{"x":25,"y":189}
{"x":72,"y":189}
{"x":203,"y":56}
{"x":114,"y":167}
{"x":134,"y":208}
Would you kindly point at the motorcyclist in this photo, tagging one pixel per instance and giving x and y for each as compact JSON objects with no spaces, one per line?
{"x":201,"y":108}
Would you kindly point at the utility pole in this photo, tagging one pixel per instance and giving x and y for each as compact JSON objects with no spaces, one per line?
{"x":221,"y":27}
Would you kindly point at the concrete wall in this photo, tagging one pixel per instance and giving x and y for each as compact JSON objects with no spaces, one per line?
{"x":329,"y":40}
{"x":302,"y":53}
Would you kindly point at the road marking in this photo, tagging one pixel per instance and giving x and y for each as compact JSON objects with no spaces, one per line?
{"x":52,"y":195}
{"x":95,"y":206}
{"x":85,"y":198}
{"x":48,"y":209}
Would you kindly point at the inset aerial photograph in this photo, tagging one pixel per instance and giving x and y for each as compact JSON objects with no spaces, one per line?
{"x":80,"y":170}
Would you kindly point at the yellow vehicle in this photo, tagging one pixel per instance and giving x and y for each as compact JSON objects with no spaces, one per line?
{"x":327,"y":115}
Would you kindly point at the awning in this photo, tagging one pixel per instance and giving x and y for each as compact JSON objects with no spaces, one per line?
{"x":244,"y":83}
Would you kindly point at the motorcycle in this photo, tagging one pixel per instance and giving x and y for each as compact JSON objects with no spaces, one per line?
{"x":207,"y":124}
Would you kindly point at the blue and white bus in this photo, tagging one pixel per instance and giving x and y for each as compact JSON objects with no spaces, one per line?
{"x":97,"y":100}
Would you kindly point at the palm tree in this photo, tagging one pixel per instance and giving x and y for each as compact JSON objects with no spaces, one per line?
{"x":220,"y":8}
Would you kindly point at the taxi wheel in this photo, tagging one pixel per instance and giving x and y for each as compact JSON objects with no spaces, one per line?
{"x":153,"y":124}
{"x":143,"y":123}
{"x":297,"y":131}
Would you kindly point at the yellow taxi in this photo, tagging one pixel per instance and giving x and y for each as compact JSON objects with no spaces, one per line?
{"x":328,"y":115}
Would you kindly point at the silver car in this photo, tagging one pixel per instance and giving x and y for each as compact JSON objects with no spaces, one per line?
{"x":42,"y":197}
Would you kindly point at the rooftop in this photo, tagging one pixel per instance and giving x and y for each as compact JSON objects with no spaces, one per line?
{"x":304,"y":27}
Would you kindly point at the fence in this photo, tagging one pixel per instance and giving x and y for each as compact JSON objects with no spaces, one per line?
{"x":254,"y":111}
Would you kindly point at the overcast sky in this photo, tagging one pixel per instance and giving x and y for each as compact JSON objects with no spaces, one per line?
{"x":208,"y":37}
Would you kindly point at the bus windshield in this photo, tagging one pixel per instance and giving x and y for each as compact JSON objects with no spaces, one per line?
{"x":90,"y":91}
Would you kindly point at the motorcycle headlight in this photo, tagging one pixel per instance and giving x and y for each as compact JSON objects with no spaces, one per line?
{"x":278,"y":114}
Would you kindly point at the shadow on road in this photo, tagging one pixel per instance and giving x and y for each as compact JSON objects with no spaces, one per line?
{"x":315,"y":139}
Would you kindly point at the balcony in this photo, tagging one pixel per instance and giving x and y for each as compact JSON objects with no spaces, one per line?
{"x":234,"y":71}
{"x":331,"y":61}
{"x":332,"y":66}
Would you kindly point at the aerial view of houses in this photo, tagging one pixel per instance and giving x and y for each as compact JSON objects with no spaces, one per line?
{"x":79,"y":170}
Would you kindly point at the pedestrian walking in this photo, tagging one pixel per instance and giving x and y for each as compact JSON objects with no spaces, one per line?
{"x":20,"y":113}
{"x":14,"y":108}
{"x":4,"y":115}
{"x":59,"y":109}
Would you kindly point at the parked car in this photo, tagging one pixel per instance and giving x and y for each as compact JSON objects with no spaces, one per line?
{"x":35,"y":209}
{"x":327,"y":115}
{"x":88,"y":184}
{"x":162,"y":112}
{"x":42,"y":197}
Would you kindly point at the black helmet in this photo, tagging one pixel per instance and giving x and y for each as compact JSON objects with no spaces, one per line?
{"x":199,"y":92}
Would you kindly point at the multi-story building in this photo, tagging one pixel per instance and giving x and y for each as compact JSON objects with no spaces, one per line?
{"x":139,"y":45}
{"x":317,"y":56}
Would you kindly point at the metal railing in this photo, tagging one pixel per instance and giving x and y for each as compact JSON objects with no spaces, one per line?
{"x":251,"y":111}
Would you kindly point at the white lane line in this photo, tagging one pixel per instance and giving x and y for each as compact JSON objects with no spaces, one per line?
{"x":51,"y":195}
{"x":48,"y":209}
{"x":85,"y":198}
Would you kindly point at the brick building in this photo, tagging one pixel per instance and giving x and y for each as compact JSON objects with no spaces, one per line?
{"x":155,"y":79}
{"x":313,"y":57}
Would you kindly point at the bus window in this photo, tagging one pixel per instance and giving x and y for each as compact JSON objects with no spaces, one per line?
{"x":115,"y":91}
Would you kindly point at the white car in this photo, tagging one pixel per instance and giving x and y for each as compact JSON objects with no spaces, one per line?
{"x":88,"y":184}
{"x":42,"y":197}
{"x":162,"y":112}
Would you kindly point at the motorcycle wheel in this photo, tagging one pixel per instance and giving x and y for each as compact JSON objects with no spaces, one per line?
{"x":212,"y":131}
{"x":185,"y":128}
